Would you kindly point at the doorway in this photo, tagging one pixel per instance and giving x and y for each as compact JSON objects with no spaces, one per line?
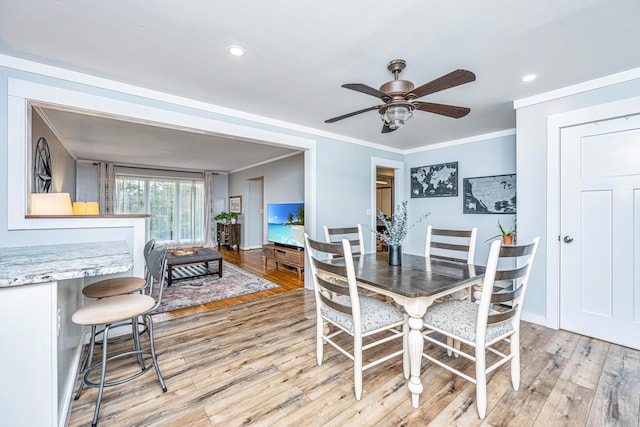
{"x":385,"y":199}
{"x":386,"y":173}
{"x":600,"y":238}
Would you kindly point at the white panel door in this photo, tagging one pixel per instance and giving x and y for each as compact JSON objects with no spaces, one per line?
{"x":600,"y":230}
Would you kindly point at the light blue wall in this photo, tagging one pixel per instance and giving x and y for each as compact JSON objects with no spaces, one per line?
{"x":63,"y":166}
{"x":532,"y":174}
{"x":345,"y":184}
{"x":496,"y":156}
{"x":283,"y":182}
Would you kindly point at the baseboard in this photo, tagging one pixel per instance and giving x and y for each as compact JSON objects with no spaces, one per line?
{"x":538,"y":319}
{"x":248,"y":248}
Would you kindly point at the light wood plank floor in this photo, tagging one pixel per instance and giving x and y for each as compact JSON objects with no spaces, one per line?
{"x":253,"y":363}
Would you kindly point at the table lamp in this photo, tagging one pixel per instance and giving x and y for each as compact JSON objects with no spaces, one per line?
{"x":86,"y":208}
{"x":51,"y":204}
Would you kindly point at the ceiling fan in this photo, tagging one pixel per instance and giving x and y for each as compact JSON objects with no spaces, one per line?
{"x":399,"y":97}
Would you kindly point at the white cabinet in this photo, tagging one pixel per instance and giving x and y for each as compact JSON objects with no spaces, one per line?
{"x":40,"y":345}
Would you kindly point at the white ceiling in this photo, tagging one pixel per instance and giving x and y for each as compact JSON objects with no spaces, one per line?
{"x":299,"y":53}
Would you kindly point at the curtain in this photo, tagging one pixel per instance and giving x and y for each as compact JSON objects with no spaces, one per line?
{"x":107,"y":188}
{"x":208,"y":208}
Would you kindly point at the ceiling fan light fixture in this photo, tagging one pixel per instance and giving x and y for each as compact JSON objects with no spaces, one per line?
{"x":396,"y":115}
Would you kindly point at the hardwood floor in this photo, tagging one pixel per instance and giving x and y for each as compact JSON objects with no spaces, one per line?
{"x":254,"y":363}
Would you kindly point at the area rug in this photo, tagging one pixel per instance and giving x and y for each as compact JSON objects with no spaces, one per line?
{"x":234,"y":282}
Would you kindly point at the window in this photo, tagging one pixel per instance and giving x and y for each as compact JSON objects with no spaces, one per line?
{"x":175,"y":206}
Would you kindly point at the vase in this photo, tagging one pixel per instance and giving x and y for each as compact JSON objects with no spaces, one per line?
{"x":508,"y":240}
{"x":395,"y":255}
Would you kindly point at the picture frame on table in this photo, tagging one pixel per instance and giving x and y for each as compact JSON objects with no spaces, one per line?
{"x":235,"y":204}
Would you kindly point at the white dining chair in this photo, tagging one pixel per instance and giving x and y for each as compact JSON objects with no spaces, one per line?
{"x":492,"y":325}
{"x":339,"y":304}
{"x":352,"y":234}
{"x":452,"y":245}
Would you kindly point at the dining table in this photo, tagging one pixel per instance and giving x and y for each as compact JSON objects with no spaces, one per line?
{"x":415,"y":285}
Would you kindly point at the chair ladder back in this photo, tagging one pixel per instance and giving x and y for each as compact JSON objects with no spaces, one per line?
{"x":458,"y":245}
{"x":502,"y":295}
{"x":332,"y":248}
{"x":323,"y":281}
{"x":516,"y":251}
{"x":331,"y":286}
{"x":343,"y":230}
{"x":331,"y":303}
{"x":338,"y":270}
{"x":352,"y":234}
{"x":451,"y":233}
{"x":517,"y":277}
{"x":502,"y":315}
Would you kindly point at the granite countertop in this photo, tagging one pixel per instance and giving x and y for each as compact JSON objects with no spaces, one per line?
{"x":37,"y":264}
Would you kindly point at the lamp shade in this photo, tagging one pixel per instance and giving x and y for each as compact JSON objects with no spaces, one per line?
{"x":396,"y":115}
{"x":85,"y":208}
{"x":51,"y":204}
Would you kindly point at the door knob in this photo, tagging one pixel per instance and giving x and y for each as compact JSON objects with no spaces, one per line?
{"x":568,"y":239}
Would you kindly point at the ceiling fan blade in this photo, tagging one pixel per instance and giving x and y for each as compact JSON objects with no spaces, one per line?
{"x":344,"y":116}
{"x":454,"y":78}
{"x":442,"y":109}
{"x":359,"y":87}
{"x":387,"y":129}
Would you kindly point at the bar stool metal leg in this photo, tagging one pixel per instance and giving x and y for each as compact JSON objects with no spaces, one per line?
{"x":103,"y":373}
{"x":152,"y":346}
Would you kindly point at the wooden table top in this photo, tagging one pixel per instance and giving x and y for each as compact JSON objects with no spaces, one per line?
{"x":416,"y":277}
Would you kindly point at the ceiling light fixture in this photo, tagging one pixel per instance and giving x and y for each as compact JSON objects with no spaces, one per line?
{"x":395,"y":115}
{"x":236,"y":51}
{"x":529,"y":78}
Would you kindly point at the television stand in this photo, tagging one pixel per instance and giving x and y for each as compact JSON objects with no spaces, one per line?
{"x":285,"y":256}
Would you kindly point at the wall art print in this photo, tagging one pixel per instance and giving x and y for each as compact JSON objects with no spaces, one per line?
{"x":435,"y":180}
{"x":489,"y":195}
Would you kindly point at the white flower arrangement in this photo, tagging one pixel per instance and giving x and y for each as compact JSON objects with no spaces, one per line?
{"x":396,"y":229}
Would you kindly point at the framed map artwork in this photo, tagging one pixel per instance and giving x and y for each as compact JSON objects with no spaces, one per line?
{"x":435,"y":180}
{"x":489,"y":195}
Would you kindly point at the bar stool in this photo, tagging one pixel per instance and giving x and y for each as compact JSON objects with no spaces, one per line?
{"x":120,"y":285}
{"x":117,"y":286}
{"x":114,"y":311}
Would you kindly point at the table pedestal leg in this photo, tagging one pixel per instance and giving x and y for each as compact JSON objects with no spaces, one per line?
{"x":415,"y":358}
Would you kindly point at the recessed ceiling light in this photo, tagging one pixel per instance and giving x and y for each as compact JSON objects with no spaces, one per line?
{"x":529,"y":78}
{"x":236,"y":51}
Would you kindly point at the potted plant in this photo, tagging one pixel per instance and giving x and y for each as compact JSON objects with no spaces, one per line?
{"x":507,"y":234}
{"x":233,"y":216}
{"x":395,"y":230}
{"x":223,"y":216}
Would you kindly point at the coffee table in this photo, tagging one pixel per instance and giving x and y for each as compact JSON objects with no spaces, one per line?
{"x":192,"y":265}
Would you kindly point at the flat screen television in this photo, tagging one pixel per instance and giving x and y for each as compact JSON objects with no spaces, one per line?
{"x":285,"y":223}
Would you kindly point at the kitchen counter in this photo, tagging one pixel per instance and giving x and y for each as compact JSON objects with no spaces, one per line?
{"x":38,"y":264}
{"x":40,"y":289}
